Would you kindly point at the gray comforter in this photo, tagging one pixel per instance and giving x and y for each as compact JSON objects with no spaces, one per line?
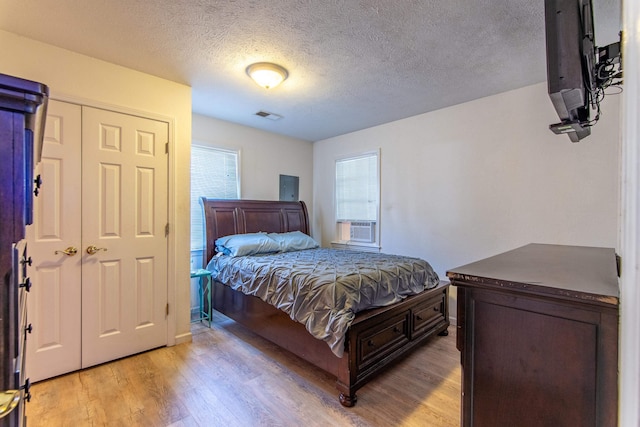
{"x":324,"y":288}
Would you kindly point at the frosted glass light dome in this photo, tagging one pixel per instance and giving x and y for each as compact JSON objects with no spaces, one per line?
{"x":266,"y":74}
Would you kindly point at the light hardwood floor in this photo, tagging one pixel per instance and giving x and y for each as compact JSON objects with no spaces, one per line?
{"x":230,"y":377}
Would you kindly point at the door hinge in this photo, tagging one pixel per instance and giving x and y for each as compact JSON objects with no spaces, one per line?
{"x":167,"y":310}
{"x":166,"y":230}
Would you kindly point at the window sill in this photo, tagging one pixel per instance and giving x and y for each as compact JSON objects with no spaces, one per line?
{"x":356,"y":246}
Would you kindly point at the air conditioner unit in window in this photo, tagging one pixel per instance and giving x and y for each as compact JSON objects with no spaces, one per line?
{"x":362,"y":231}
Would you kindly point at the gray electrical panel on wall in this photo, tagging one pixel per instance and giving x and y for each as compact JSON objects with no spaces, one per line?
{"x":289,"y":188}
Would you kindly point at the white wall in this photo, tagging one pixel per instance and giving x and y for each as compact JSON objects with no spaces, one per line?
{"x":264,"y":157}
{"x":484,"y":177}
{"x":74,"y":77}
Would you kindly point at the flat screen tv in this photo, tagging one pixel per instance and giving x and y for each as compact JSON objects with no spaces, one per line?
{"x":571,"y":64}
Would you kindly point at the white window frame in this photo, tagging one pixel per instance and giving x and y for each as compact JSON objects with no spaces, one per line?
{"x":343,"y":225}
{"x":195,"y":204}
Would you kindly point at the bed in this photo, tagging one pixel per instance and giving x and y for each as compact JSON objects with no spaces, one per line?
{"x":374,"y":339}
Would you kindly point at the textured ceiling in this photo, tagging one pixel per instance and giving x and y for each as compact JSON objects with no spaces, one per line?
{"x":352,"y":64}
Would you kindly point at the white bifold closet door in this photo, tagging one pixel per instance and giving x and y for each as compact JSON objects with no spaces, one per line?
{"x":98,"y":240}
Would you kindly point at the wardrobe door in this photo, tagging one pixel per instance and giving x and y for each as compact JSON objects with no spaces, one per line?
{"x":54,"y":303}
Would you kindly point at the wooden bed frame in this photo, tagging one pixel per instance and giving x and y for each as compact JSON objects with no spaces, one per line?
{"x":376,"y":338}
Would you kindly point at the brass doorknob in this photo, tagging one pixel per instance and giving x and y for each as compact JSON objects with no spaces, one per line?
{"x":91,"y":250}
{"x":70,"y":251}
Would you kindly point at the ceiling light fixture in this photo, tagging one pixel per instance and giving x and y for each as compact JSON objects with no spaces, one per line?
{"x":266,"y":74}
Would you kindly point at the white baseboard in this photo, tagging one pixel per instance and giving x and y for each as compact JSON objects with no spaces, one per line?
{"x":182,"y":338}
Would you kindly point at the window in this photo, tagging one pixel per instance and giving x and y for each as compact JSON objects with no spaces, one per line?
{"x":214,"y":174}
{"x":357,"y":194}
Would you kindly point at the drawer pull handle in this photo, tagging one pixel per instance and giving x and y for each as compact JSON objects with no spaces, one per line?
{"x":396,"y":329}
{"x":27,"y":390}
{"x":419,"y":317}
{"x":370,"y":343}
{"x":26,"y":284}
{"x":38,"y":184}
{"x":436,"y":308}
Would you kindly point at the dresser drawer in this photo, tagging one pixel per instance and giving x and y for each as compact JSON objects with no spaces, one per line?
{"x":376,"y":342}
{"x":427,"y":314}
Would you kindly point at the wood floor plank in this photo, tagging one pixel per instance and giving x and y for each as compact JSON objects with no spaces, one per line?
{"x":230,"y":377}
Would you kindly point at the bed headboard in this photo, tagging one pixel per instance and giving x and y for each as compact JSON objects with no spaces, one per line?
{"x":223,"y":217}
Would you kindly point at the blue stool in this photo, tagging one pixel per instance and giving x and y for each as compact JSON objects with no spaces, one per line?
{"x":204,"y":287}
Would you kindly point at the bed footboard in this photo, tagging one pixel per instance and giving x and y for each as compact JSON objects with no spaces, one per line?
{"x":376,"y":338}
{"x":381,"y":336}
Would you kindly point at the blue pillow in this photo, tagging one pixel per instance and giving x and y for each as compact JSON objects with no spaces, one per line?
{"x":294,"y":241}
{"x":246,"y":244}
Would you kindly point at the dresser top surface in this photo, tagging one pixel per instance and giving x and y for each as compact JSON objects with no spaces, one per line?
{"x":575,"y":272}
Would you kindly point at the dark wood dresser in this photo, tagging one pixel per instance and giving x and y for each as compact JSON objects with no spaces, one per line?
{"x":22,"y":114}
{"x":538,"y":336}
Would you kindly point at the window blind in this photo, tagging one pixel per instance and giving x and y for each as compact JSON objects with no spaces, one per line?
{"x":357,"y":188}
{"x":214,"y":174}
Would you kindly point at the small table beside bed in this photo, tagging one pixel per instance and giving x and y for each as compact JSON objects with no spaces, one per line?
{"x":272,"y":278}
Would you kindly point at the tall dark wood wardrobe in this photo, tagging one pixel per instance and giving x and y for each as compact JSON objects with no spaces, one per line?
{"x":22,"y":113}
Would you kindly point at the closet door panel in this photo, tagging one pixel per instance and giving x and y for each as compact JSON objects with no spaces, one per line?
{"x":54,"y":303}
{"x":124,"y":216}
